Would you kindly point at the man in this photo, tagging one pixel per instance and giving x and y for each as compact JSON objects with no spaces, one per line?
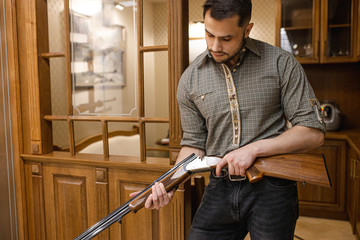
{"x":234,"y":101}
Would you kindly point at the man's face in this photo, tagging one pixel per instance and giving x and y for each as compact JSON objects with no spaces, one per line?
{"x":224,"y":38}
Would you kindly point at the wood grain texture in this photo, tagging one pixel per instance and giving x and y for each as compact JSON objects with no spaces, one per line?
{"x":35,"y":201}
{"x":327,"y":202}
{"x":178,"y":60}
{"x":70,"y":200}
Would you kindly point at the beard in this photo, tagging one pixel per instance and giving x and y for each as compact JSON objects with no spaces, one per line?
{"x":229,"y":56}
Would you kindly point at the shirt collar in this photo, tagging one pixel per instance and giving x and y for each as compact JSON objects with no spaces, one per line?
{"x":249,"y":45}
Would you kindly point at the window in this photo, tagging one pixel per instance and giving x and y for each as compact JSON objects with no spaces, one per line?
{"x":109,"y":75}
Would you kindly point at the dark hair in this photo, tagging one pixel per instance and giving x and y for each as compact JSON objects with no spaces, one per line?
{"x":222,"y":9}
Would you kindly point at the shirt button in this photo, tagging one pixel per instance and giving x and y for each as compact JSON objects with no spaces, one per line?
{"x":202,"y":97}
{"x":234,"y":70}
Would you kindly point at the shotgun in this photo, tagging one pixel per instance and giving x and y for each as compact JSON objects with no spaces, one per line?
{"x":297,"y":167}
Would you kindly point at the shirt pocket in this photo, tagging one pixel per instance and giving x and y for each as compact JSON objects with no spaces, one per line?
{"x":213,"y":106}
{"x":205,"y":101}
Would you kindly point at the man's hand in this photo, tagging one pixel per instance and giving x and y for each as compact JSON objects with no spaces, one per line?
{"x":238,"y":161}
{"x":158,"y":198}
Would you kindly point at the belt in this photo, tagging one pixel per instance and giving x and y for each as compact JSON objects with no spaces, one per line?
{"x":225,"y":173}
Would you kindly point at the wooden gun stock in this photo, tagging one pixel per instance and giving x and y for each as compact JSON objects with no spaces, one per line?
{"x":297,"y":167}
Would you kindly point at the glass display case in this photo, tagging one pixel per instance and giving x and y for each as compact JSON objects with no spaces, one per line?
{"x":318,"y":30}
{"x":337,"y":30}
{"x":298,"y":28}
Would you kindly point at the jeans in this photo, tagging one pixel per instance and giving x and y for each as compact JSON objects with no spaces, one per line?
{"x":229,"y":210}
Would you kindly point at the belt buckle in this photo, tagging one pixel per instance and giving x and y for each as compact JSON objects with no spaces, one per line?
{"x":236,"y":178}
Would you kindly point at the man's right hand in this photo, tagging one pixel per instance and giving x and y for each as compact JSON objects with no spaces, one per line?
{"x":158,"y":198}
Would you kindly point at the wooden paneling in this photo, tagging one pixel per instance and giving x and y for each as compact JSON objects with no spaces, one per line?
{"x":165,"y":224}
{"x":69,"y":212}
{"x":35,"y":200}
{"x":178,"y":60}
{"x":71,"y":204}
{"x":35,"y":84}
{"x":351,"y":190}
{"x":327,"y":202}
{"x":134,"y":226}
{"x":340,"y":83}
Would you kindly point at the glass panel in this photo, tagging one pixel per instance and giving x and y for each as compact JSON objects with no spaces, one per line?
{"x":339,"y":28}
{"x":60,"y":136}
{"x":124,"y":139}
{"x":339,"y":12}
{"x":339,"y":41}
{"x":296,"y":34}
{"x":56,"y":25}
{"x":155,"y":22}
{"x":103,"y":57}
{"x":296,"y":13}
{"x":156,"y":84}
{"x":58,"y":86}
{"x":298,"y":42}
{"x":84,"y":137}
{"x":157,"y":140}
{"x":59,"y":103}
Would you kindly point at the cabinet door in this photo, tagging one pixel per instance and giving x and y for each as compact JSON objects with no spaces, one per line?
{"x":167,"y":223}
{"x":298,"y":29}
{"x":75,"y":198}
{"x":338,"y":31}
{"x":351,"y":189}
{"x":327,"y":202}
{"x":35,"y":200}
{"x":357,"y":194}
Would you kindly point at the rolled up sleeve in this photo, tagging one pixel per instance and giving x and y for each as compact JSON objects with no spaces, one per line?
{"x":300,"y":105}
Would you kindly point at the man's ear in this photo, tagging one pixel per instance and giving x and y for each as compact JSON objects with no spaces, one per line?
{"x":248,"y":29}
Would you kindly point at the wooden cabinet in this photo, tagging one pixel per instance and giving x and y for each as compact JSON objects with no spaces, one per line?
{"x":63,"y":200}
{"x":353,"y":191}
{"x":318,"y":31}
{"x":327,"y":202}
{"x":167,"y":223}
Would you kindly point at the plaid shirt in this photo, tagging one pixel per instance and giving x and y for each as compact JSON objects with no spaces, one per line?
{"x":270,"y":87}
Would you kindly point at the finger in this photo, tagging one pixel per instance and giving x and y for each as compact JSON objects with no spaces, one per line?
{"x":149,"y":202}
{"x":159,"y":192}
{"x":237,"y":169}
{"x":133,"y":194}
{"x":154,"y":194}
{"x":164,"y":194}
{"x":231,"y":169}
{"x":171,"y":193}
{"x":242,"y":171}
{"x":220,"y":165}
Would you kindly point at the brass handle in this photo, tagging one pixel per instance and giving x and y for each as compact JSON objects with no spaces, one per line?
{"x":352,"y":167}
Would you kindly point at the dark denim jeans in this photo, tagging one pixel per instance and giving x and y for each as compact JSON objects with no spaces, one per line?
{"x":229,"y":210}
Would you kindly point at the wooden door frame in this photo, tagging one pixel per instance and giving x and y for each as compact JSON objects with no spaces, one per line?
{"x":12,"y":69}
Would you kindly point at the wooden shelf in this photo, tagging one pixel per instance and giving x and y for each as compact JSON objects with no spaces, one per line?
{"x":298,"y":28}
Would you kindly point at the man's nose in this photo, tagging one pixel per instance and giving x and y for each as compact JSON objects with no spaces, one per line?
{"x":217,"y":46}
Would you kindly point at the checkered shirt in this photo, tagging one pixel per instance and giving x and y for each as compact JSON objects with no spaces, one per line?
{"x":271,"y":87}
